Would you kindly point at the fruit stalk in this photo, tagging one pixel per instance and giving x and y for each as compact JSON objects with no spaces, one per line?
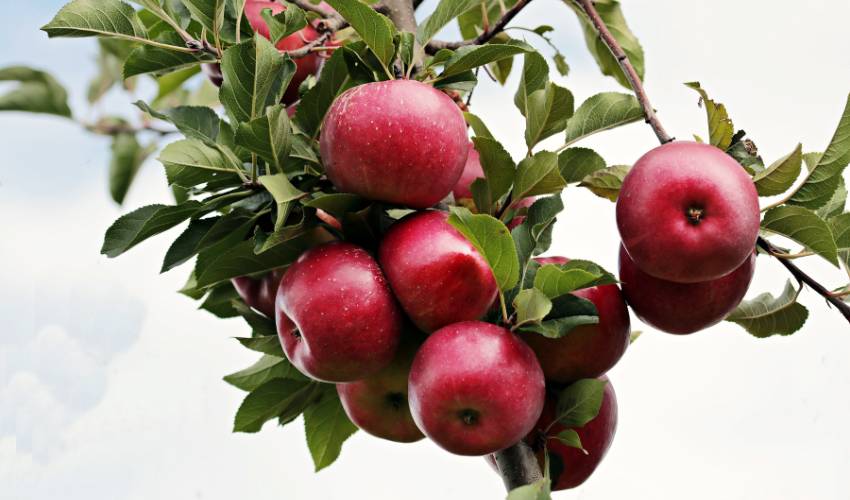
{"x":635,"y":82}
{"x":518,"y":466}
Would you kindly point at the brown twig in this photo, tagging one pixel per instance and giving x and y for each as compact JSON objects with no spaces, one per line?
{"x":486,"y":36}
{"x":518,"y":466}
{"x":637,"y":86}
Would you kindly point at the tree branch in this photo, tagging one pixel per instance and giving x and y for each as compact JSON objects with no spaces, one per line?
{"x":637,"y":86}
{"x":623,"y":60}
{"x":518,"y":466}
{"x":401,"y":13}
{"x":486,"y":36}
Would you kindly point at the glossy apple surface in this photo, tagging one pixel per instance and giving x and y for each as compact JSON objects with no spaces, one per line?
{"x":471,"y":170}
{"x":587,"y":351}
{"x":475,"y":388}
{"x":397,"y":141}
{"x":437,"y":275}
{"x":683,"y":307}
{"x":688,"y":212}
{"x":336,"y":316}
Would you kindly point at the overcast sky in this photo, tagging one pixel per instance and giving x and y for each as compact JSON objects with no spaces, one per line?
{"x":110,"y":383}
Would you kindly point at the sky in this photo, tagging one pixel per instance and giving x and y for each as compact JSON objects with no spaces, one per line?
{"x":110,"y":382}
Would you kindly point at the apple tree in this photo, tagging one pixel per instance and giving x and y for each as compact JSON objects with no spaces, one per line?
{"x":386,"y":251}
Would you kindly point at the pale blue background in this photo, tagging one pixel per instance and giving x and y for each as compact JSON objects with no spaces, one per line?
{"x":110,"y":383}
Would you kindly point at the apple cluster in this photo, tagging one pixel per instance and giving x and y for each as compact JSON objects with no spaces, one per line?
{"x":688,"y":216}
{"x":399,"y":331}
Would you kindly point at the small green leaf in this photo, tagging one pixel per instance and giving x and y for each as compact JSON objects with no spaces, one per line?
{"x":158,"y":59}
{"x":472,"y":56}
{"x":568,"y":312}
{"x":276,"y":397}
{"x":269,"y":136}
{"x":406,"y":48}
{"x":580,"y":402}
{"x":478,"y":126}
{"x":602,"y":112}
{"x":195,"y":122}
{"x":38,"y":92}
{"x":376,"y":30}
{"x":492,"y":240}
{"x":499,"y":168}
{"x":538,"y":175}
{"x":547,"y":113}
{"x":315,"y":103}
{"x":531,"y":306}
{"x":191,"y":162}
{"x":82,"y":18}
{"x":840,"y":226}
{"x":766,"y":315}
{"x":803,"y":226}
{"x":210,"y":13}
{"x":284,"y":23}
{"x":267,"y":344}
{"x":780,"y":176}
{"x":445,"y":11}
{"x":267,"y":368}
{"x":203,"y":234}
{"x":720,"y":128}
{"x":255,"y":76}
{"x":577,"y":163}
{"x":836,"y":203}
{"x":533,"y":236}
{"x":539,"y":490}
{"x":337,"y":204}
{"x":127,"y":157}
{"x":327,"y":427}
{"x":606,"y":183}
{"x":570,"y":438}
{"x":535,"y":75}
{"x":283,"y":193}
{"x":556,"y":280}
{"x":138,"y":225}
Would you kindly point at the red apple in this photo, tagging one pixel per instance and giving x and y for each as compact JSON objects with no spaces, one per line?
{"x":519,"y":219}
{"x":475,"y":388}
{"x":688,"y":212}
{"x":397,"y":141}
{"x":570,"y":467}
{"x":683,"y":307}
{"x":378,"y":404}
{"x":336,"y":316}
{"x":437,"y":275}
{"x":471,"y":170}
{"x":587,"y":351}
{"x":259,"y":293}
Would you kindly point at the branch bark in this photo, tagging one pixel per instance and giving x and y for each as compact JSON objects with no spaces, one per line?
{"x":486,"y":36}
{"x":637,"y":86}
{"x":518,"y":466}
{"x":401,"y":13}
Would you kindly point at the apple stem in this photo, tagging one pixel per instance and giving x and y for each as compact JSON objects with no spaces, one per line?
{"x":652,"y":119}
{"x":518,"y":466}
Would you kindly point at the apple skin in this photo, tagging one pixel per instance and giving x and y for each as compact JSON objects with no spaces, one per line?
{"x":653,"y":213}
{"x":379,"y":405}
{"x":336,"y":317}
{"x":570,"y":467}
{"x":683,"y":308}
{"x":259,"y":293}
{"x":588,"y":351}
{"x":475,"y":388}
{"x":519,"y":219}
{"x":438,"y":277}
{"x":471,"y":170}
{"x":397,"y":141}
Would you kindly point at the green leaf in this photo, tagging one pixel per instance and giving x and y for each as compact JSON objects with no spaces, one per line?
{"x":579,"y":403}
{"x":274,"y":398}
{"x":556,"y":280}
{"x":767,"y":315}
{"x":255,"y":76}
{"x":337,"y":204}
{"x":270,"y":136}
{"x":191,"y":162}
{"x":780,"y":176}
{"x":836,"y":203}
{"x":186,"y":245}
{"x":283,"y":193}
{"x":138,"y":225}
{"x":203,"y":234}
{"x":444,"y":13}
{"x":472,"y":56}
{"x":38,"y":92}
{"x":803,"y":226}
{"x":602,"y":112}
{"x":538,"y":490}
{"x":220,"y":301}
{"x":268,"y":344}
{"x":315,"y":103}
{"x":824,"y":178}
{"x":127,"y":157}
{"x":606,"y":183}
{"x":612,"y":15}
{"x":538,"y":175}
{"x":284,"y":23}
{"x":478,"y":126}
{"x":195,"y":122}
{"x":327,"y":427}
{"x":160,"y":60}
{"x":535,"y":76}
{"x":82,"y":18}
{"x":406,"y":48}
{"x":840,"y":226}
{"x":559,"y":327}
{"x":210,"y":13}
{"x":533,"y":236}
{"x":375,"y":29}
{"x":531,"y":306}
{"x":492,"y":240}
{"x":720,"y":128}
{"x":499,"y":168}
{"x":267,"y":368}
{"x":547,"y":113}
{"x":570,"y":438}
{"x":577,"y":163}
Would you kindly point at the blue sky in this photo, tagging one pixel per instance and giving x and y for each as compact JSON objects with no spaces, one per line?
{"x":110,"y":383}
